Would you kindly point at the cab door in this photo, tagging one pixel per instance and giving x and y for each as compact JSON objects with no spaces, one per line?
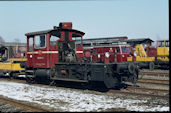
{"x":54,"y":37}
{"x":40,"y":59}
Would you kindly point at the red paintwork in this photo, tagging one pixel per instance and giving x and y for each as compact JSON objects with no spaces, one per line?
{"x":151,"y":51}
{"x":106,"y":60}
{"x":47,"y":57}
{"x":63,"y":72}
{"x":66,"y":25}
{"x":98,"y":53}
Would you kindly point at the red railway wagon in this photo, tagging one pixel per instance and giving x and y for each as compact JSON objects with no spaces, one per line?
{"x":118,"y":52}
{"x":57,"y":55}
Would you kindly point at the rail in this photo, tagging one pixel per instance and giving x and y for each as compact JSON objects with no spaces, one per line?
{"x":23,"y":106}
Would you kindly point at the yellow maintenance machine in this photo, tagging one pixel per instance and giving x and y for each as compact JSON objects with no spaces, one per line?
{"x":10,"y":67}
{"x":161,"y":58}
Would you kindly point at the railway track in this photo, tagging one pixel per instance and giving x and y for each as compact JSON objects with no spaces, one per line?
{"x":154,"y":75}
{"x":154,"y":81}
{"x":129,"y":88}
{"x":140,"y":82}
{"x":128,"y":92}
{"x":162,"y":74}
{"x":24,"y":106}
{"x":147,"y":90}
{"x":140,"y":95}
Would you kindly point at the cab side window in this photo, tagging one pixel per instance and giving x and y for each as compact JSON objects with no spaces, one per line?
{"x":31,"y":44}
{"x":161,"y":44}
{"x":77,"y":39}
{"x":167,"y":43}
{"x":53,"y":38}
{"x":40,"y":41}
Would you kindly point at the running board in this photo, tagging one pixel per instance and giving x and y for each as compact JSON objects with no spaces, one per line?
{"x":71,"y":80}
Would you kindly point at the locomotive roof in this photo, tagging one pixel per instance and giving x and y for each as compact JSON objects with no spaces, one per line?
{"x":50,"y":30}
{"x":106,"y":39}
{"x":139,"y":40}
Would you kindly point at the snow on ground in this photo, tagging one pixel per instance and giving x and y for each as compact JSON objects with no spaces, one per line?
{"x":66,"y":99}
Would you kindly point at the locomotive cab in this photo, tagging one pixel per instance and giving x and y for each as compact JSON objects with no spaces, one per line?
{"x":162,"y":57}
{"x":44,"y":48}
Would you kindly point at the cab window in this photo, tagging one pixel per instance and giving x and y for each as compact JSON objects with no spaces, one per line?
{"x":77,"y":39}
{"x":167,"y":43}
{"x":125,"y":50}
{"x":31,"y":44}
{"x":40,"y":41}
{"x":54,"y":37}
{"x":161,"y":44}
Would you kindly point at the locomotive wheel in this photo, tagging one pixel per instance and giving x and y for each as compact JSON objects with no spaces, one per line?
{"x":131,"y":68}
{"x":111,"y":81}
{"x":151,"y":66}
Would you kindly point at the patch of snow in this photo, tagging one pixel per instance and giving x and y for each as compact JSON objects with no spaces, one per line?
{"x":71,"y":100}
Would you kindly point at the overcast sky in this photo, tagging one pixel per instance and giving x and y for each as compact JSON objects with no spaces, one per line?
{"x":131,"y":18}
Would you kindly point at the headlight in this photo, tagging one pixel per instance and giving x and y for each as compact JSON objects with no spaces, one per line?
{"x":145,"y":45}
{"x":135,"y":54}
{"x":98,"y":55}
{"x":107,"y":54}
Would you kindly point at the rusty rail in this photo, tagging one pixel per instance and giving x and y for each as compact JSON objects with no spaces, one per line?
{"x":139,"y":94}
{"x":154,"y":81}
{"x":147,"y":90}
{"x":23,"y":106}
{"x":155,"y":74}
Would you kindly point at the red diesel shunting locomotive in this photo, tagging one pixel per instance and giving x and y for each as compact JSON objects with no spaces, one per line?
{"x":57,"y":55}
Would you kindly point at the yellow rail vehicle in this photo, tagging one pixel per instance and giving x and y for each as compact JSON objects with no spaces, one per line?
{"x":152,"y":57}
{"x":12,"y":67}
{"x":162,"y":53}
{"x":142,"y":59}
